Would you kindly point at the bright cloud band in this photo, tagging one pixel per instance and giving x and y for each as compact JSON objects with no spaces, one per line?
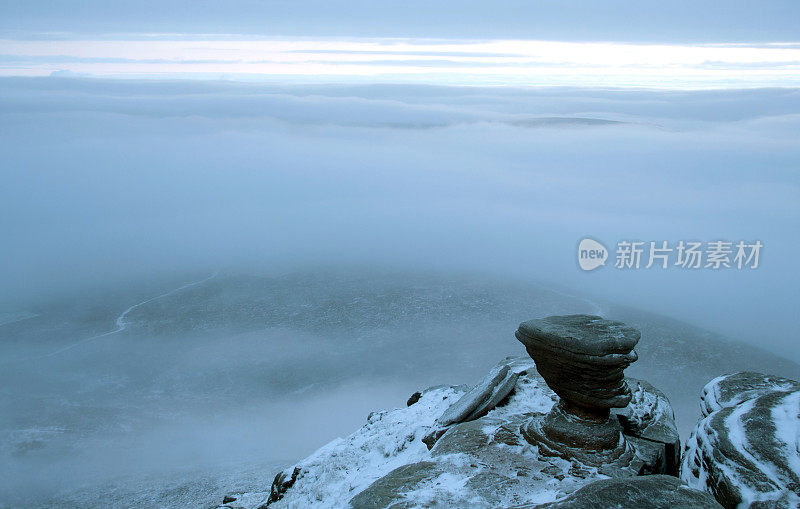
{"x":502,"y":62}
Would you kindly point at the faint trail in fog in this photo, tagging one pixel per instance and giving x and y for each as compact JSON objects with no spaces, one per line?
{"x":15,"y":319}
{"x":120,"y":322}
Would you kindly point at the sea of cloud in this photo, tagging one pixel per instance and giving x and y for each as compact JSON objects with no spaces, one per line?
{"x":108,"y":180}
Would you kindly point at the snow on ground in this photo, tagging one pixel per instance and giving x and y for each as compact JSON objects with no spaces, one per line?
{"x":389,"y":439}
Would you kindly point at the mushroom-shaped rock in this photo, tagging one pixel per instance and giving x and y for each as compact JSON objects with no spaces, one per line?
{"x":582,"y":358}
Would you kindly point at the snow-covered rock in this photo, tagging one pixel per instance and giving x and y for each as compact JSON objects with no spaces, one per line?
{"x":335,"y":473}
{"x":477,"y":461}
{"x":746,"y":448}
{"x":649,"y":416}
{"x":480,"y":399}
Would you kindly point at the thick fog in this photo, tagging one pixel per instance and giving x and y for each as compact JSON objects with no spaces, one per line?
{"x":107,"y":181}
{"x":218,"y":278}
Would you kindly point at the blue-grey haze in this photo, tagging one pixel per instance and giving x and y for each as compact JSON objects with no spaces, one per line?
{"x":106,"y":180}
{"x":119,"y":389}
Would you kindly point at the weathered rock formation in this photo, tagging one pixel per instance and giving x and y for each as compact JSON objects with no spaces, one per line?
{"x":566,"y":431}
{"x":582,"y":359}
{"x":745,"y":449}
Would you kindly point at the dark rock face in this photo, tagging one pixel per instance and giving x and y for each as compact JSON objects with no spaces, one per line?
{"x":649,"y":492}
{"x":414,"y":398}
{"x":283,"y":481}
{"x":745,"y":449}
{"x":582,"y":358}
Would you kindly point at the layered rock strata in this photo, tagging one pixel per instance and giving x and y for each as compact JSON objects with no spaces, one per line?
{"x":582,"y":359}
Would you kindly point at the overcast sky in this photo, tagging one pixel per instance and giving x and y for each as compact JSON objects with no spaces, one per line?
{"x":575,"y":20}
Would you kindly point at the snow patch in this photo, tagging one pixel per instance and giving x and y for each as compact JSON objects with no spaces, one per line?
{"x":332,"y":475}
